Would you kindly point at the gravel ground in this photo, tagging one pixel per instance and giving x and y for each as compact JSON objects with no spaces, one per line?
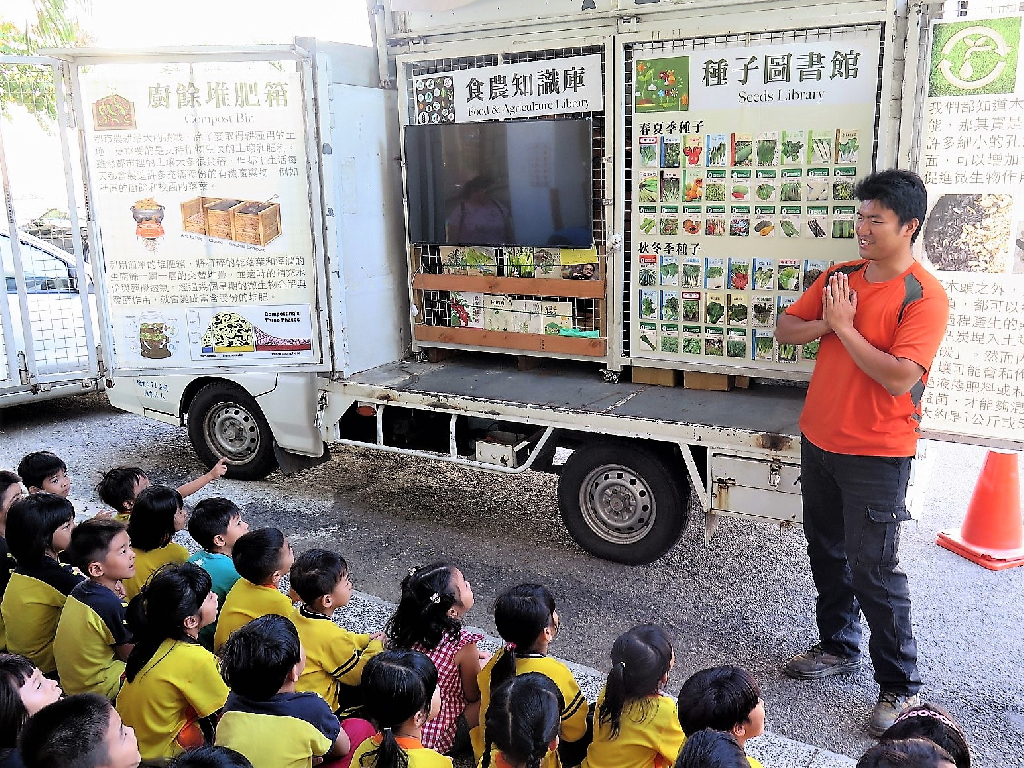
{"x":747,"y":599}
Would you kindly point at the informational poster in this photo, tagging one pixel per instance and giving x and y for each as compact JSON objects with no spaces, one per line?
{"x":744,"y":161}
{"x":972,"y":160}
{"x":509,"y":91}
{"x":200,"y":186}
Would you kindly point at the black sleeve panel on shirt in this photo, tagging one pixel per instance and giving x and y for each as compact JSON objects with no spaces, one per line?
{"x":108,"y":607}
{"x":63,"y":578}
{"x":315,"y":711}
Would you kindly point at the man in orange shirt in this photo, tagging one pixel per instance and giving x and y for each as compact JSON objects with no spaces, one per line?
{"x":880,"y":320}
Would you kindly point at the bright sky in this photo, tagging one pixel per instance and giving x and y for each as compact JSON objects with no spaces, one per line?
{"x":134,"y":24}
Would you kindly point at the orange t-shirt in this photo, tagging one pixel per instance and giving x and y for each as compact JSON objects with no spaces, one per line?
{"x":847,"y":411}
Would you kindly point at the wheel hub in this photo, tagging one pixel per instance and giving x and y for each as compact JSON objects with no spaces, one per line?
{"x":617,"y":504}
{"x":232,"y":431}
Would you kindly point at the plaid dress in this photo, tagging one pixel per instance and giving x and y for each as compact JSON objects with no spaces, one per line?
{"x":439,"y":733}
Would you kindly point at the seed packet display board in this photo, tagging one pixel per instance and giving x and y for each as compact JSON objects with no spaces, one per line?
{"x":744,"y":162}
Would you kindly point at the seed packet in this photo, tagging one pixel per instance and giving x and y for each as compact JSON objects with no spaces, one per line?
{"x":519,"y":262}
{"x":767,"y":149}
{"x":480,"y":261}
{"x":764,"y":220}
{"x":813,"y":269}
{"x":668,"y":223}
{"x":669,"y":270}
{"x":792,"y":188}
{"x":690,"y":272}
{"x":819,"y":148}
{"x":715,"y":222}
{"x":671,"y":185}
{"x":714,"y":309}
{"x":693,"y":189}
{"x":762,"y":311}
{"x":718,"y":150}
{"x":738,"y":312}
{"x":843,"y":222}
{"x":782,"y":303}
{"x":847,"y":146}
{"x":558,"y":315}
{"x":742,"y":149}
{"x":793,"y":145}
{"x":668,"y":338}
{"x":497,"y":313}
{"x":715,"y":185}
{"x":691,"y":223}
{"x":817,"y":221}
{"x":648,"y":152}
{"x":467,"y":309}
{"x":693,"y":150}
{"x":818,"y":184}
{"x":790,"y":221}
{"x":670,"y":151}
{"x":789,"y":275}
{"x":736,"y":342}
{"x":648,"y":218}
{"x":548,"y":262}
{"x":714,"y":273}
{"x":670,"y":305}
{"x":809,"y":351}
{"x":766,"y":185}
{"x":842,"y":183}
{"x":714,"y":342}
{"x":648,"y":186}
{"x":647,"y":274}
{"x":649,"y":304}
{"x":691,"y":306}
{"x":453,"y":259}
{"x":764,"y":275}
{"x":527,"y":316}
{"x":739,"y":221}
{"x":647,"y":334}
{"x":690,"y":340}
{"x":764,"y":345}
{"x":739,"y":185}
{"x":787,"y":353}
{"x":739,"y":273}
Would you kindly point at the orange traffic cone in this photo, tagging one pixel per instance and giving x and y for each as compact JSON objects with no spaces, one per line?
{"x":992,"y":534}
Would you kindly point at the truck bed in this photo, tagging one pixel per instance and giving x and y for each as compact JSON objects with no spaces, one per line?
{"x":489,"y":388}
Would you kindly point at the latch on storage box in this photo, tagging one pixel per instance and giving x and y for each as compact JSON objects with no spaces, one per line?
{"x":504,"y":448}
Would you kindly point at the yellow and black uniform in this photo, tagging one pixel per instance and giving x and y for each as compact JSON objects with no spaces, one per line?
{"x":754,"y":762}
{"x":147,"y":561}
{"x":31,"y":609}
{"x":333,"y":655}
{"x":419,"y":756}
{"x":574,"y":715}
{"x":7,"y":566}
{"x":177,"y":687}
{"x":90,"y":626}
{"x":649,"y":736}
{"x":247,"y":601}
{"x":286,"y":731}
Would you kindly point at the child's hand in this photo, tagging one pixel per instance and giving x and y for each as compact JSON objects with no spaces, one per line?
{"x":119,"y":591}
{"x":218,"y":470}
{"x":105,"y":514}
{"x":380,"y":637}
{"x":485,"y":656}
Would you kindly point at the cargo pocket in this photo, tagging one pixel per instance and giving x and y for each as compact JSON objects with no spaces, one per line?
{"x":880,"y":543}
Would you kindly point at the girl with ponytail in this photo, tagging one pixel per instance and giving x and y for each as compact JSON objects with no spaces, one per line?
{"x":527,"y":621}
{"x":637,"y":727}
{"x":401,"y":696}
{"x":522,"y":723}
{"x":173,"y":688}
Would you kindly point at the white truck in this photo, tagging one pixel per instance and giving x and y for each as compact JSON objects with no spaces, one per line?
{"x":303,"y":299}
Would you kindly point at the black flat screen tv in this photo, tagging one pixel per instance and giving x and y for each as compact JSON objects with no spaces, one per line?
{"x":523,"y":182}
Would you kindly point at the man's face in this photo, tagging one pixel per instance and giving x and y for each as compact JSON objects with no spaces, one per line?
{"x":122,"y":746}
{"x":879,"y":232}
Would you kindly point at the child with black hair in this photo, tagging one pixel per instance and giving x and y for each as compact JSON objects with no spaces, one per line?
{"x":261,"y":557}
{"x":161,"y":515}
{"x":637,"y":726}
{"x":210,"y":757}
{"x":120,"y":487}
{"x":429,"y":619}
{"x":906,"y":753}
{"x":82,"y":731}
{"x":335,"y":657}
{"x":38,"y":530}
{"x":932,"y":722}
{"x":216,"y":524}
{"x":522,"y":722}
{"x":265,"y":719}
{"x":93,"y":640}
{"x":401,"y":696}
{"x":11,"y":490}
{"x":173,"y":688}
{"x":709,"y":748}
{"x":24,"y":690}
{"x":726,"y":699}
{"x":527,"y":621}
{"x":45,"y":472}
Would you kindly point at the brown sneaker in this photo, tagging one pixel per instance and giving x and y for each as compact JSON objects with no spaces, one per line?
{"x":888,"y":706}
{"x":816,"y":663}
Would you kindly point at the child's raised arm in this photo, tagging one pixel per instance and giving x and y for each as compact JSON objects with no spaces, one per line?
{"x":216,"y":472}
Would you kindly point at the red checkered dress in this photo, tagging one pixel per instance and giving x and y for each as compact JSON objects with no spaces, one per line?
{"x":439,"y":733}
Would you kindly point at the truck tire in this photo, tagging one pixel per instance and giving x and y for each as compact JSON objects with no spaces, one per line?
{"x":227,"y":421}
{"x":622,"y":502}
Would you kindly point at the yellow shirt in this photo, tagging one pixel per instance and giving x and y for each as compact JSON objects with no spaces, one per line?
{"x":419,"y":756}
{"x":333,"y":655}
{"x":754,"y":762}
{"x":180,"y":684}
{"x":146,"y":563}
{"x":90,"y":627}
{"x":247,"y":601}
{"x":31,"y":608}
{"x":574,"y":715}
{"x":649,"y":736}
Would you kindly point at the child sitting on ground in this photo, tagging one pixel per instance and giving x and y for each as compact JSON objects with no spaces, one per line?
{"x":335,"y":657}
{"x":526,"y":619}
{"x":523,"y":721}
{"x":23,"y":692}
{"x":92,"y":640}
{"x":906,"y":753}
{"x":401,"y":696}
{"x":265,"y":719}
{"x":726,"y":699}
{"x":161,"y":515}
{"x":45,"y":472}
{"x":711,"y":749}
{"x":637,"y":726}
{"x":429,"y":619}
{"x":173,"y":688}
{"x":216,"y":524}
{"x":10,"y":491}
{"x":83,"y":731}
{"x":929,"y":721}
{"x":210,"y":757}
{"x":261,"y":558}
{"x":121,"y":486}
{"x":38,"y":530}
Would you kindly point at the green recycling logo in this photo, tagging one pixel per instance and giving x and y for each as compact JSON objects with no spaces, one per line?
{"x":971,"y":58}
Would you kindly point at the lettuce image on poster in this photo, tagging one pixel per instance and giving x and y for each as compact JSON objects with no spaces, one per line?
{"x":662,"y":85}
{"x":974,"y":58}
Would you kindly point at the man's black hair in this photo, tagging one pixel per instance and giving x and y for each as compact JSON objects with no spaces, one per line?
{"x":90,"y":542}
{"x":210,"y":518}
{"x":152,"y":522}
{"x":71,"y":733}
{"x":257,"y":554}
{"x":38,"y":466}
{"x":316,"y":572}
{"x":719,"y":698}
{"x":901,"y":191}
{"x":117,"y":486}
{"x":31,"y":522}
{"x":256,"y":659}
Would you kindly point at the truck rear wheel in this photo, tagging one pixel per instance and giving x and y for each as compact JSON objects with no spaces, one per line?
{"x":622,"y":502}
{"x":226,"y":421}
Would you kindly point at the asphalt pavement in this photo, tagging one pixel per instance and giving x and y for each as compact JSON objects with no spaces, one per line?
{"x":746,"y":599}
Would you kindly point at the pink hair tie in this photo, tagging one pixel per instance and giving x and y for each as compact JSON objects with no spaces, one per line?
{"x":510,"y":646}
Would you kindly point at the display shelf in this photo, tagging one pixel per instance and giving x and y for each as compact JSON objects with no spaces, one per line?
{"x":504,"y":340}
{"x":523,"y":286}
